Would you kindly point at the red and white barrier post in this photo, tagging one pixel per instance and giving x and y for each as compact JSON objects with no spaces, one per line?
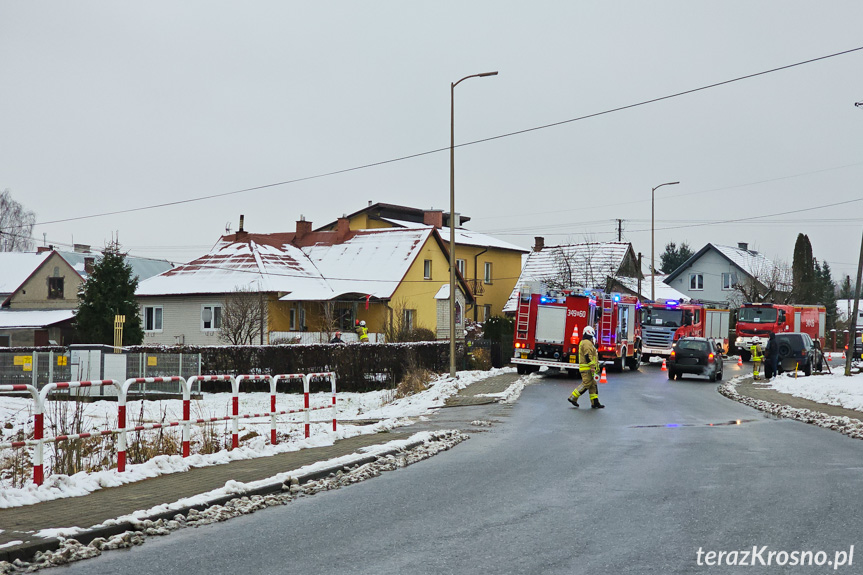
{"x":273,"y":412}
{"x":187,"y":410}
{"x":121,"y":412}
{"x":235,"y":404}
{"x":332,"y":377}
{"x":38,"y":428}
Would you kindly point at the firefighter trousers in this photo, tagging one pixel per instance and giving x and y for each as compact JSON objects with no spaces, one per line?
{"x":588,"y":383}
{"x":756,"y":369}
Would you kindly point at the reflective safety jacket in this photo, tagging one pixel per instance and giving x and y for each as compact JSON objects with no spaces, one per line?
{"x":757,"y":353}
{"x":363,"y":333}
{"x":587,"y":358}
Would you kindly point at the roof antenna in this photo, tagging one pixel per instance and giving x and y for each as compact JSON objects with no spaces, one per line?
{"x":227,"y":227}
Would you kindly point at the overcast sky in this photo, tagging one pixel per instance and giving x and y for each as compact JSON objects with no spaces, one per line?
{"x":109,"y":106}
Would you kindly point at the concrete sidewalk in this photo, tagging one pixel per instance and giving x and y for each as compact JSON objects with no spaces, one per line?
{"x":20,"y":523}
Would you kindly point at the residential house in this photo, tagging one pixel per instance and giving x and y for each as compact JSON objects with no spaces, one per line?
{"x":591,"y":265}
{"x":39,"y":292}
{"x":727,"y":276}
{"x":489,"y":265}
{"x":312,"y":283}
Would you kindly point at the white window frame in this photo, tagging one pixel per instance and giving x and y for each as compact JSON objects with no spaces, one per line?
{"x":157,"y":325}
{"x":487,"y":273}
{"x":731,"y":278}
{"x":461,"y":266}
{"x":212,"y":307}
{"x":409,"y":318}
{"x":427,"y":269}
{"x":696,"y":282}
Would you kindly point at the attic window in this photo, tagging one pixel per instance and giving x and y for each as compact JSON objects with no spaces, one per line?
{"x":55,"y":288}
{"x":427,"y":269}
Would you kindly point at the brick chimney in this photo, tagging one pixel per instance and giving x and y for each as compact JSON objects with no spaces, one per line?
{"x":539,"y":243}
{"x":43,"y":249}
{"x":303,"y":227}
{"x":433,"y":218}
{"x":343,"y":226}
{"x":241,"y":233}
{"x":743,"y":246}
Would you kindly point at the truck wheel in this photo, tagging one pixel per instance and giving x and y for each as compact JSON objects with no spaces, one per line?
{"x":617,"y":365}
{"x":634,"y":362}
{"x":745,"y":355}
{"x":521,"y":369}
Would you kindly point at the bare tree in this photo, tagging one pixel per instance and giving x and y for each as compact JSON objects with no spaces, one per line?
{"x":16,"y":225}
{"x":243,"y":317}
{"x":768,"y":282}
{"x":581,"y":265}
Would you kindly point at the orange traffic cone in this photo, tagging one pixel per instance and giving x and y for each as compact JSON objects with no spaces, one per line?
{"x":739,"y":361}
{"x":602,"y":378}
{"x":664,"y":367}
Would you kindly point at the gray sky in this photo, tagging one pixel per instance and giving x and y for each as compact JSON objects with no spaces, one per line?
{"x":108,"y":106}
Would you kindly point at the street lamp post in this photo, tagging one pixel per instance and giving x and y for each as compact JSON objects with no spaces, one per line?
{"x":452,"y":222}
{"x":652,"y":248}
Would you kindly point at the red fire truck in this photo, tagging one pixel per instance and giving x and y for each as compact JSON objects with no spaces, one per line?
{"x":762,"y":319}
{"x":665,"y":321}
{"x":548,"y":328}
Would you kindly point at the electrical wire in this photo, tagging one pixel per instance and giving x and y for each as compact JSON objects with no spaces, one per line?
{"x":471,"y":143}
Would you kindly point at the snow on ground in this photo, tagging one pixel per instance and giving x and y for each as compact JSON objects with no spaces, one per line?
{"x":836,"y":389}
{"x":16,"y":415}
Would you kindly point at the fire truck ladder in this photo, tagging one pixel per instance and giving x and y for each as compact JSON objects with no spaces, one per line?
{"x":522,"y":318}
{"x":605,"y":323}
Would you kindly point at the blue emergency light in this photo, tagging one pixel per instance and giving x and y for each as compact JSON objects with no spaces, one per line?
{"x":616,"y":297}
{"x":672,"y":303}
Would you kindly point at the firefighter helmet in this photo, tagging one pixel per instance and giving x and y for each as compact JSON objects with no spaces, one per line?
{"x":363,"y":323}
{"x":588,"y":332}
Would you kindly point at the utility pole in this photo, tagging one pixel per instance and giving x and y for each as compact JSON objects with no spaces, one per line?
{"x":852,"y":327}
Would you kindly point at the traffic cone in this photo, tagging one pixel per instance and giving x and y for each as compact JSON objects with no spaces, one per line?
{"x":664,"y":367}
{"x":602,"y":378}
{"x":843,"y":355}
{"x":739,"y":361}
{"x":574,"y":338}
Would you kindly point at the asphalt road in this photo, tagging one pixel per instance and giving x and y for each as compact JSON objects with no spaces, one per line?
{"x":638,"y":487}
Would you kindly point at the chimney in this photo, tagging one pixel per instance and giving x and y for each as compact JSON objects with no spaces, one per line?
{"x":81,"y":248}
{"x":241,"y":233}
{"x":89,"y":263}
{"x":539,"y":243}
{"x":43,"y":249}
{"x":743,"y":246}
{"x":433,"y":218}
{"x":343,"y":226}
{"x":303,"y":227}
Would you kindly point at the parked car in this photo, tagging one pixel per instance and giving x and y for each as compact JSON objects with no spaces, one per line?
{"x":695,"y":355}
{"x":798,"y":351}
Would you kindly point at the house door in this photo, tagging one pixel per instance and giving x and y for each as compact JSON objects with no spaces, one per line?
{"x":40,"y":337}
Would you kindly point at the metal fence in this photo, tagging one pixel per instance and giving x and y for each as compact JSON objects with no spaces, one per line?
{"x":38,"y":368}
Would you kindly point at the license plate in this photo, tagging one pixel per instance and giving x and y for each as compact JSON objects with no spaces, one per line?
{"x":524,"y":356}
{"x":573,"y":359}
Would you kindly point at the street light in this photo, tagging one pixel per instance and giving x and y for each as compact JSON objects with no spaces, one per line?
{"x":452,"y":218}
{"x":652,"y":249}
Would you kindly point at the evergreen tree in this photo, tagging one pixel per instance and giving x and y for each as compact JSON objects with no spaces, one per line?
{"x":827,"y":293}
{"x":673,"y":257}
{"x":804,"y":283}
{"x":846,"y":291}
{"x":109,"y":291}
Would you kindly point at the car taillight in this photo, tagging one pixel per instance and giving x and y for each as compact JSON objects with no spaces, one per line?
{"x":673,"y":353}
{"x":710,"y":357}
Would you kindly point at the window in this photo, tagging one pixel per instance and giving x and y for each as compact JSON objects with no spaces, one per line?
{"x":211,"y":317}
{"x":427,"y":270}
{"x":696,"y":281}
{"x":729,"y":280}
{"x":153,"y":318}
{"x":460,"y":266}
{"x":487,"y":277}
{"x":55,"y":288}
{"x":486,"y":312}
{"x":408,"y":318}
{"x":293,"y":319}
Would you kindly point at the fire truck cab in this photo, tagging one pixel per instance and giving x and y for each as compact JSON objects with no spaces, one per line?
{"x":549,"y":324}
{"x":762,"y":319}
{"x":665,"y":321}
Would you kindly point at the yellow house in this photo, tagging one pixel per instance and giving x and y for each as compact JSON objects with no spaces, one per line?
{"x":311,"y":284}
{"x":490,"y":266}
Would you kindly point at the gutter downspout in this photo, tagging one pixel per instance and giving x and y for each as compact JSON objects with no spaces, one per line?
{"x":476,"y":279}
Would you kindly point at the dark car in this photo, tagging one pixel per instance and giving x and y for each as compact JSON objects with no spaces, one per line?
{"x":697,"y":356}
{"x":797,"y":351}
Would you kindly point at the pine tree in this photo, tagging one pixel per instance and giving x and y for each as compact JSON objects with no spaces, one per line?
{"x":673,"y":257}
{"x":827,"y":293}
{"x":804,"y":283}
{"x":109,"y":291}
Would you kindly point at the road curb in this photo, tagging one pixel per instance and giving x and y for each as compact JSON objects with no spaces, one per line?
{"x":26,"y":551}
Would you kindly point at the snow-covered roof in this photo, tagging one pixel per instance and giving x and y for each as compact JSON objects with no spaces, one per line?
{"x":751,"y":262}
{"x":368,"y":262}
{"x":663,"y":290}
{"x":16,"y":267}
{"x":143,"y":268}
{"x":462,"y":236}
{"x":586,"y":265}
{"x":27,"y":319}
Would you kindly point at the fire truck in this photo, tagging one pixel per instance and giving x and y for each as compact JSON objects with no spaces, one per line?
{"x":665,"y":321}
{"x":762,"y":319}
{"x":548,"y":328}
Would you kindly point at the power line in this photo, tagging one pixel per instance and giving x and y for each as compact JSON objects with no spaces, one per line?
{"x":438,"y":150}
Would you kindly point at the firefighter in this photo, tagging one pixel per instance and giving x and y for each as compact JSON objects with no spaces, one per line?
{"x":363,"y":332}
{"x":757,"y":357}
{"x":589,"y":368}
